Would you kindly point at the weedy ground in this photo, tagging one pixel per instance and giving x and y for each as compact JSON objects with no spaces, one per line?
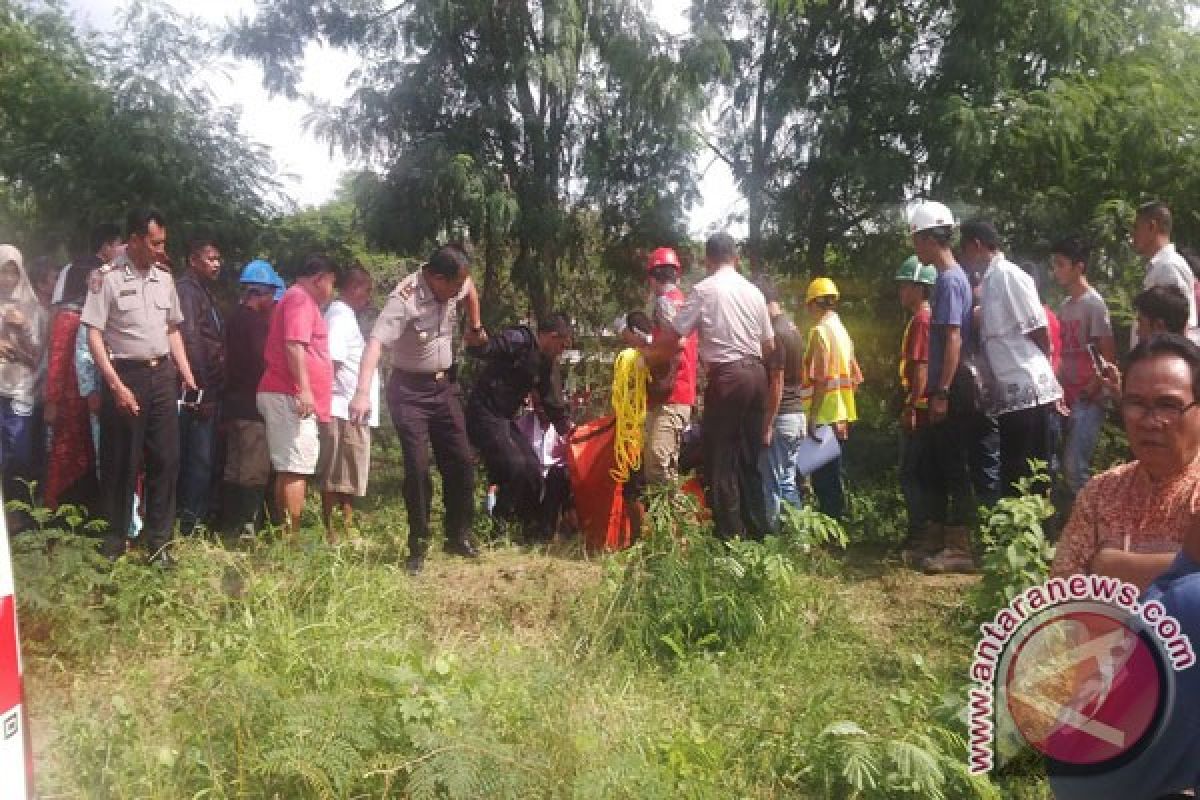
{"x":680,"y":669}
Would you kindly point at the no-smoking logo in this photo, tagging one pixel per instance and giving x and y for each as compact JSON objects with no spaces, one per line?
{"x":1085,"y":686}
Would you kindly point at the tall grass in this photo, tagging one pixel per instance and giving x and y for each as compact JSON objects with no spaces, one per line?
{"x":684,"y":668}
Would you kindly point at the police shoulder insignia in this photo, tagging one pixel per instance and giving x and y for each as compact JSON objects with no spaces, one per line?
{"x":405,"y":288}
{"x":96,"y":279}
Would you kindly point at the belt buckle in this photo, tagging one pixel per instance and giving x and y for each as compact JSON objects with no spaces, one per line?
{"x":440,"y":375}
{"x":153,"y":362}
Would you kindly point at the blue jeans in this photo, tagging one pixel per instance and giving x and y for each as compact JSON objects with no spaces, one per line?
{"x":983,"y":459}
{"x":778,"y":467}
{"x":16,"y":449}
{"x":1083,"y":429}
{"x":914,"y":457}
{"x":197,"y":445}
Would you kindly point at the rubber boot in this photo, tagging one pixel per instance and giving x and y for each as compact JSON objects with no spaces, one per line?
{"x":956,"y":556}
{"x":924,"y":544}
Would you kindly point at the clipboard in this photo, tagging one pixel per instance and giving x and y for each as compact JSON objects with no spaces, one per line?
{"x":816,"y":453}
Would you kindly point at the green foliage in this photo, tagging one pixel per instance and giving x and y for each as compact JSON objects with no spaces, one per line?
{"x":912,"y":748}
{"x":682,"y":592}
{"x":1016,"y":553}
{"x":90,"y":127}
{"x":515,"y":125}
{"x":63,"y":578}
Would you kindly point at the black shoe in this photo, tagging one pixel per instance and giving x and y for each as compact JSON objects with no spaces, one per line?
{"x":113,"y":547}
{"x":414,"y":564}
{"x":462,"y":547}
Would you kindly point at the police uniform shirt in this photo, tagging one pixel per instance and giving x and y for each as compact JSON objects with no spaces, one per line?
{"x":418,"y":329}
{"x":730,"y":314}
{"x":134,"y":310}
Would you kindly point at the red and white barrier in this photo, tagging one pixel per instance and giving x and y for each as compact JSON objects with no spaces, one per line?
{"x":16,"y":755}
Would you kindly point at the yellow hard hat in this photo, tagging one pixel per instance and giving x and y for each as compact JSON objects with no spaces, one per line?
{"x":821,"y":287}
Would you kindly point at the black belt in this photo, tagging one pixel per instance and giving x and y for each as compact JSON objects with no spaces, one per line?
{"x":421,"y":378}
{"x":749,"y":361}
{"x":131,"y":363}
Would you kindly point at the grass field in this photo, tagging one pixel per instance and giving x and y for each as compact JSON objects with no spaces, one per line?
{"x":678,"y":670}
{"x":673,"y":671}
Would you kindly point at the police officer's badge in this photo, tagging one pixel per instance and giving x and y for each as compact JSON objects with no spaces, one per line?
{"x":96,"y":279}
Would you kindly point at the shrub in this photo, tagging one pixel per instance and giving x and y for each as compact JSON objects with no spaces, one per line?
{"x":681,"y":591}
{"x":1016,"y":553}
{"x":63,"y":581}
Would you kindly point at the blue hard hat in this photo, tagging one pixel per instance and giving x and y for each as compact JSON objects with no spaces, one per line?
{"x":258,"y":271}
{"x":280,"y":286}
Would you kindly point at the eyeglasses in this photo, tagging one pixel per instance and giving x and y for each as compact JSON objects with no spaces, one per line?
{"x":1165,"y":411}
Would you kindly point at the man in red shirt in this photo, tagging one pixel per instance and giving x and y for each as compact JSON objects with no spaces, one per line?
{"x":296,"y":389}
{"x":915,"y":281}
{"x":672,"y":390}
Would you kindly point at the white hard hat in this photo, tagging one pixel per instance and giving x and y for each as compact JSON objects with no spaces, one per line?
{"x":929,"y":214}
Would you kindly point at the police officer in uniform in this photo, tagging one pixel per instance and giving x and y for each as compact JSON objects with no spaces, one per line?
{"x":730,"y":315}
{"x":417,"y":324}
{"x":132,"y":314}
{"x":519,"y":362}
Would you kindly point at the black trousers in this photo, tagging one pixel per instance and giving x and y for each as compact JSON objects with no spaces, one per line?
{"x":426,"y":411}
{"x":149,"y":442}
{"x":947,"y":479}
{"x":1024,"y":435}
{"x":511,"y":465}
{"x":735,"y":403}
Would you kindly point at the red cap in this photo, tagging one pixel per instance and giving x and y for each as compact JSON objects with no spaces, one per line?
{"x":663,"y":257}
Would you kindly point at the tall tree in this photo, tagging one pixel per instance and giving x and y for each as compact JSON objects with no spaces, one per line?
{"x":1060,"y":115}
{"x":90,"y":127}
{"x":491,"y":117}
{"x":816,"y":114}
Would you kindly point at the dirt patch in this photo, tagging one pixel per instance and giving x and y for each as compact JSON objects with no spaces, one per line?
{"x":527,"y":594}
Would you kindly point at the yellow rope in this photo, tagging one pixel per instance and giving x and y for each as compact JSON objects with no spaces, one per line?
{"x":629,"y":403}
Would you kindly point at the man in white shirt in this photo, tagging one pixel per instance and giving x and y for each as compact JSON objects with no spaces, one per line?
{"x":1016,"y":343}
{"x":736,"y":336}
{"x":1164,"y":265}
{"x":345,"y":445}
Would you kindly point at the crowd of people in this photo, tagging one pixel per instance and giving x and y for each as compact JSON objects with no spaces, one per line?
{"x":127,"y":391}
{"x":114,"y":371}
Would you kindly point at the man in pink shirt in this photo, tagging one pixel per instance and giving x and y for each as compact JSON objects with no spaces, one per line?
{"x":296,"y":389}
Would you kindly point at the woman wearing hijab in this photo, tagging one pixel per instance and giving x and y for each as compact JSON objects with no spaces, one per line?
{"x":22,"y":331}
{"x":71,"y":472}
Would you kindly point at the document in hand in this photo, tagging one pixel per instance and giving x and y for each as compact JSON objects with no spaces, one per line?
{"x":816,"y":453}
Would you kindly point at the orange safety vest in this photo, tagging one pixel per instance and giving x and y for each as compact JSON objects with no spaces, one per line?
{"x":837,"y":404}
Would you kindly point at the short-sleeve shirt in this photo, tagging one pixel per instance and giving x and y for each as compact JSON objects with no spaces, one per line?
{"x":1124,"y":509}
{"x":914,"y":349}
{"x":951,"y":304}
{"x":298,"y":318}
{"x":788,"y":358}
{"x":1010,"y":310}
{"x":416,"y":327}
{"x":134,"y":310}
{"x":666,"y":305}
{"x":1168,"y":268}
{"x":1082,"y":320}
{"x":729,"y":313}
{"x":346,"y":346}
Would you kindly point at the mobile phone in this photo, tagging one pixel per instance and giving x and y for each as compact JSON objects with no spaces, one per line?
{"x":1097,"y":359}
{"x":191,"y":397}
